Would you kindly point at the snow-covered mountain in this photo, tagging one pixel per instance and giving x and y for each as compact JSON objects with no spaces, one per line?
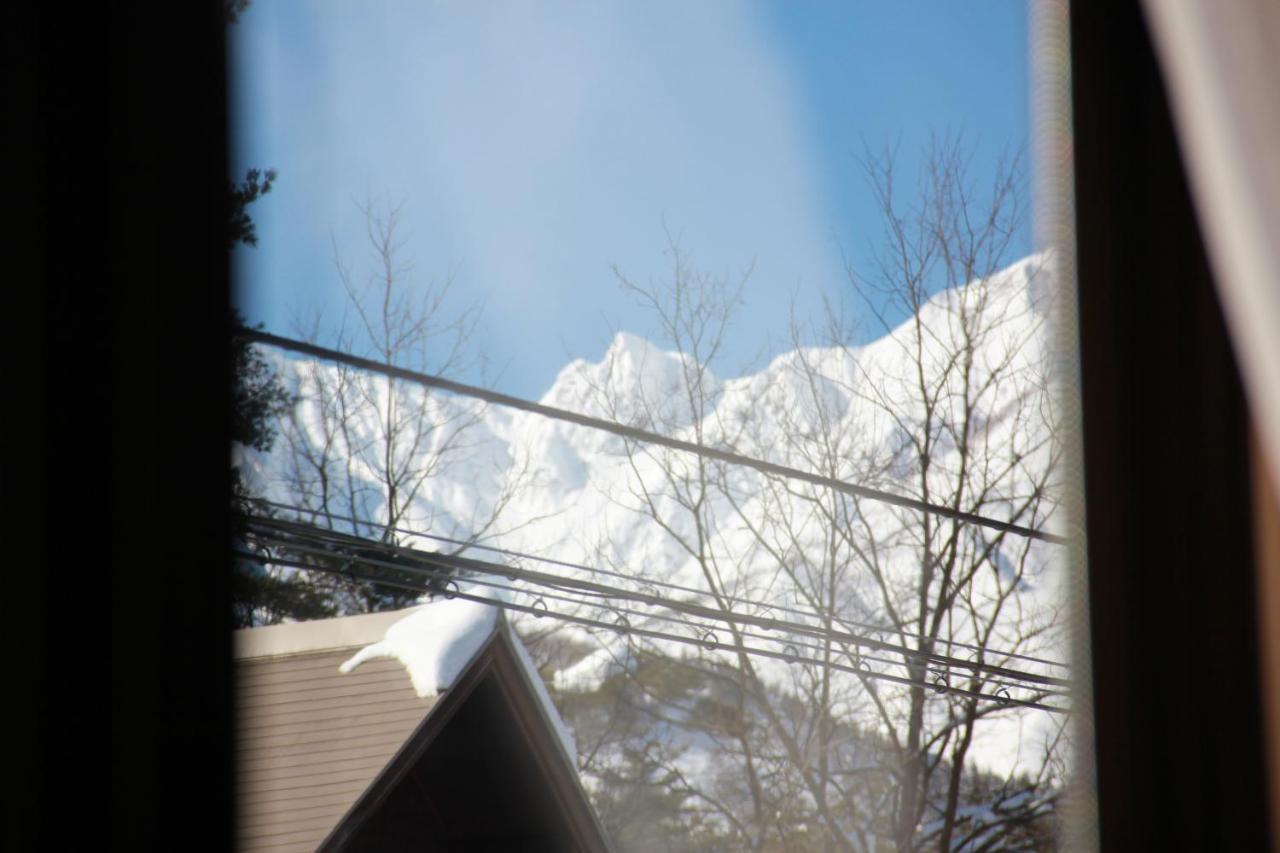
{"x":770,"y":547}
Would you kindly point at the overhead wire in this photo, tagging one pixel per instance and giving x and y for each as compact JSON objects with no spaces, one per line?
{"x":459,"y":563}
{"x":704,"y":628}
{"x":456,"y":562}
{"x":642,"y":435}
{"x":464,"y":544}
{"x":861,"y":670}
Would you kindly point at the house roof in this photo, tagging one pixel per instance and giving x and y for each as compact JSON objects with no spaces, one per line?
{"x":362,"y":760}
{"x":309,"y":739}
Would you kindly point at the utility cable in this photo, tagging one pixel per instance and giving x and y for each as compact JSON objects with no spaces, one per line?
{"x":636,"y":434}
{"x":622,"y":612}
{"x":457,"y":563}
{"x":363,"y":547}
{"x":1001,"y":697}
{"x":464,"y":544}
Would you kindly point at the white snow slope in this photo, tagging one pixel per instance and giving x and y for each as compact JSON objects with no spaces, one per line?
{"x":590,"y":497}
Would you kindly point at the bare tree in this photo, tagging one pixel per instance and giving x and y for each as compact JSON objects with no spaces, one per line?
{"x":362,"y":449}
{"x":975,"y":431}
{"x":952,"y":407}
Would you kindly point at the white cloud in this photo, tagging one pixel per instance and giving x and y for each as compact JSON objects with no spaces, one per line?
{"x":538,"y":144}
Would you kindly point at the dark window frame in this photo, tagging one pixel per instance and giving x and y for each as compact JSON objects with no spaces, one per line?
{"x":1179,"y":727}
{"x":121,"y":127}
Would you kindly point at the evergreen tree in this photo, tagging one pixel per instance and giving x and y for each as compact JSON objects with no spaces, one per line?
{"x":258,"y":596}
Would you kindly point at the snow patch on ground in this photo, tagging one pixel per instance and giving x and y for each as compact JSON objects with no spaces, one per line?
{"x":591,"y":672}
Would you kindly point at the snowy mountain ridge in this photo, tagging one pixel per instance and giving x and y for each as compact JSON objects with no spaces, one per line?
{"x":660,"y":516}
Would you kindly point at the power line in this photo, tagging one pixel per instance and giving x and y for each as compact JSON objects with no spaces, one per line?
{"x":458,"y":563}
{"x":455,"y":562}
{"x":703,"y":628}
{"x":464,"y":544}
{"x":1001,"y":697}
{"x":637,"y":434}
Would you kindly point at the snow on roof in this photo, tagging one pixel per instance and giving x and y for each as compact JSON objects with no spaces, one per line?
{"x":434,"y":643}
{"x":439,"y":640}
{"x":540,"y":688}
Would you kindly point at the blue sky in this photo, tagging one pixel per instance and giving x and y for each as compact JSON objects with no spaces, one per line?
{"x":536,"y":146}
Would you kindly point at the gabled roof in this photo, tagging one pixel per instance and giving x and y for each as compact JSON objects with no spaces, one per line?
{"x":338,"y":761}
{"x":310,"y":740}
{"x":485,"y":770}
